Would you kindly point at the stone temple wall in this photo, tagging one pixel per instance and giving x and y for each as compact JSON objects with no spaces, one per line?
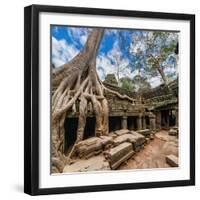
{"x":152,"y":110}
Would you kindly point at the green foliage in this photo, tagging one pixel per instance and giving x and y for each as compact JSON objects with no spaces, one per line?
{"x":153,"y":51}
{"x":160,"y":46}
{"x":128,"y":85}
{"x":138,"y":84}
{"x":110,"y":78}
{"x":141,"y":84}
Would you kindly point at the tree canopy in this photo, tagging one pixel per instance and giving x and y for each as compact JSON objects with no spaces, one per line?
{"x":155,"y":52}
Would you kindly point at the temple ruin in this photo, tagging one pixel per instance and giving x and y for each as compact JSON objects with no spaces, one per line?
{"x":102,"y":125}
{"x":131,"y":126}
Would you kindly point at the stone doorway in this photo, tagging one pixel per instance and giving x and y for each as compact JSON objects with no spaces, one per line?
{"x":147,"y":122}
{"x":165,"y":119}
{"x":71,"y":125}
{"x":172,"y":118}
{"x":89,"y":127}
{"x":114,"y":123}
{"x":132,"y":123}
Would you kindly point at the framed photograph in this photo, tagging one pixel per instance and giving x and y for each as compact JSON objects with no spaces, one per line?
{"x":109,"y":99}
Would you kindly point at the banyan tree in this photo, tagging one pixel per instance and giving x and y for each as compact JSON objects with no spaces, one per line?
{"x":78,"y":88}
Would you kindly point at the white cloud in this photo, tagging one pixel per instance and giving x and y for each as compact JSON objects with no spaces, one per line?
{"x":56,"y":29}
{"x":112,"y":63}
{"x":58,"y":61}
{"x":137,"y":47}
{"x":111,"y":31}
{"x":83,"y":39}
{"x":169,"y":69}
{"x":115,"y":54}
{"x":104,"y":66}
{"x":62,"y":52}
{"x":155,"y":81}
{"x":79,"y":34}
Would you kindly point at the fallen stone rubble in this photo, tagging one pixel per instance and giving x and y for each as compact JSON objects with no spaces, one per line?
{"x":122,"y":132}
{"x":95,"y":163}
{"x":117,"y":147}
{"x":173,"y":132}
{"x":137,"y":140}
{"x":149,"y":134}
{"x":145,"y":132}
{"x":89,"y":147}
{"x":109,"y":152}
{"x":119,"y":154}
{"x":107,"y":142}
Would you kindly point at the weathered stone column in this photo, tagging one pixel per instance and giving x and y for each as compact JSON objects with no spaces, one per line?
{"x":167,"y":119}
{"x":152,"y":121}
{"x":139,"y":122}
{"x":176,"y":114}
{"x":158,"y":120}
{"x":124,"y":122}
{"x":144,"y":122}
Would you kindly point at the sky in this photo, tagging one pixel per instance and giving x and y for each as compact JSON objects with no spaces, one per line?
{"x":113,"y":54}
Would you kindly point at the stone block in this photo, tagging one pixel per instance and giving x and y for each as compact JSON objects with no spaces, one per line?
{"x":175,"y":127}
{"x":119,"y":154}
{"x":172,"y":160}
{"x":122,"y":159}
{"x":173,"y":132}
{"x":139,"y":138}
{"x":145,"y":132}
{"x":136,"y":148}
{"x":89,"y":141}
{"x":122,"y":138}
{"x":151,"y":136}
{"x":113,"y":135}
{"x":107,"y":142}
{"x":92,"y":164}
{"x":122,"y":132}
{"x":89,"y":147}
{"x":147,"y":140}
{"x":135,"y":138}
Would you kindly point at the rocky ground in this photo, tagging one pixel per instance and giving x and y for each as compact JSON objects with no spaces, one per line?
{"x":151,"y":155}
{"x":154,"y":154}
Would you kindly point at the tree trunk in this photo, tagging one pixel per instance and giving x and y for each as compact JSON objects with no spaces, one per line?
{"x":157,"y":66}
{"x":160,"y":70}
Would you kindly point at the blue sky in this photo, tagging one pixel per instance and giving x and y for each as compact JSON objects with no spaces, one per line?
{"x":113,"y":53}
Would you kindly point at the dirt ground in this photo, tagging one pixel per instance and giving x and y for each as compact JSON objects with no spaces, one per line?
{"x":153,"y":155}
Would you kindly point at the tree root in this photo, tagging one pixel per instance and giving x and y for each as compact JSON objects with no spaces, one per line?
{"x":133,"y":101}
{"x":87,"y":97}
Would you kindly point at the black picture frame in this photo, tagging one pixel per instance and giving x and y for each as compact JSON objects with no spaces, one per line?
{"x":31,"y":98}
